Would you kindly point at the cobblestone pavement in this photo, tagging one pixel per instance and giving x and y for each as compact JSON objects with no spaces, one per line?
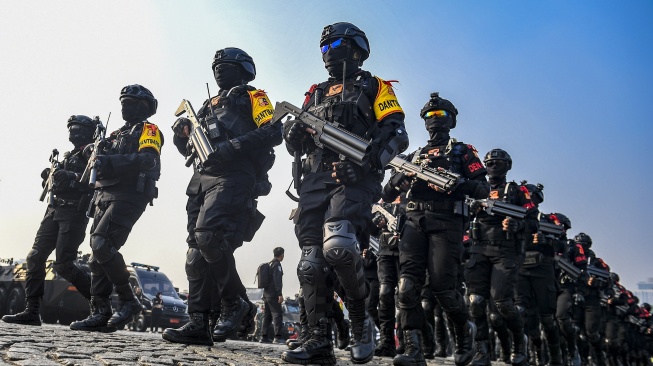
{"x":58,"y":345}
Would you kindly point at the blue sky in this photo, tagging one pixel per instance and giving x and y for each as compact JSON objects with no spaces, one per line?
{"x":564,"y":87}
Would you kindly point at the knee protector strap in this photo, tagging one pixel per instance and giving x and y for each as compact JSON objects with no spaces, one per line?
{"x":451,"y":301}
{"x":507,"y":309}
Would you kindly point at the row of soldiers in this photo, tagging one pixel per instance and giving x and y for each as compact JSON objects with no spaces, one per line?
{"x":347,"y":131}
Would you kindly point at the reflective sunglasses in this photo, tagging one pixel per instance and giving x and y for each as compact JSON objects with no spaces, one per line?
{"x":437,"y":113}
{"x":335,"y":44}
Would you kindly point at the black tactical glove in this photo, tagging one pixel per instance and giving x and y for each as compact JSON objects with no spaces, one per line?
{"x":513,"y":225}
{"x":146,"y":161}
{"x":178,"y":126}
{"x":400,"y":182}
{"x":476,"y":206}
{"x":347,"y":172}
{"x":63,"y":178}
{"x":262,"y":188}
{"x":224,"y":152}
{"x":539,"y":238}
{"x":294,"y":132}
{"x":45,"y":173}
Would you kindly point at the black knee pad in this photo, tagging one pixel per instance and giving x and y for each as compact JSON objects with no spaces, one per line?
{"x":451,"y":301}
{"x":102,"y":247}
{"x":427,"y":305}
{"x":313,"y":267}
{"x":476,"y":305}
{"x":195,"y":266}
{"x":408,"y":293}
{"x":387,"y":293}
{"x":66,"y":270}
{"x":507,"y":309}
{"x":342,"y":252}
{"x":36,"y":259}
{"x":496,"y":320}
{"x":211,"y":244}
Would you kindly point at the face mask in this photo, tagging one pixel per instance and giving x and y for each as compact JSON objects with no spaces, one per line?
{"x":79,"y":136}
{"x":333,"y":60}
{"x":496,"y":168}
{"x":134,"y":110}
{"x":227,"y":75}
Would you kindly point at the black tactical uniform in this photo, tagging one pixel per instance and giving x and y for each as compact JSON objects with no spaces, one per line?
{"x":273,"y":311}
{"x":432,"y":237}
{"x":537,"y":286}
{"x":388,"y":272}
{"x":334,"y":212}
{"x":616,"y":304}
{"x":491,"y":272}
{"x":575,"y":254}
{"x":222,"y":195}
{"x":128,"y":168}
{"x":63,"y":226}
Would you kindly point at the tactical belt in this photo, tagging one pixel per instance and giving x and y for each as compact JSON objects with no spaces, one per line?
{"x":65,"y":203}
{"x":495,"y":243}
{"x":430,"y":206}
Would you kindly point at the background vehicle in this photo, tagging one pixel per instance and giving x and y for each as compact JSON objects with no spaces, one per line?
{"x":150,"y":281}
{"x":290,"y":307}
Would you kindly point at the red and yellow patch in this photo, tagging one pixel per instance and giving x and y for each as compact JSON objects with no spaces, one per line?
{"x":386,"y":101}
{"x":262,"y":109}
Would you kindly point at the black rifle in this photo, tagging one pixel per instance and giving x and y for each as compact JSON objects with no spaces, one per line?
{"x":90,"y":173}
{"x":599,"y":274}
{"x":389,"y":218}
{"x":201,"y":145}
{"x":569,"y":269}
{"x":494,"y":207}
{"x":327,"y":134}
{"x":54,"y":165}
{"x":441,"y":178}
{"x":551,"y":229}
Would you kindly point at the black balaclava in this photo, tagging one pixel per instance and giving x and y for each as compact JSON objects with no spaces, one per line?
{"x":80,"y":135}
{"x":496,"y":173}
{"x":228,"y":75}
{"x":438,"y":128}
{"x":347,"y":55}
{"x":134,"y":110}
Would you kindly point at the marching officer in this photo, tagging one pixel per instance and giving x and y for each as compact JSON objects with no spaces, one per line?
{"x":63,"y":226}
{"x":433,"y":234}
{"x":336,"y":196}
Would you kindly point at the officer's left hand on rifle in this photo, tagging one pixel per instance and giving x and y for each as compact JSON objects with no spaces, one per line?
{"x":224,"y":152}
{"x":295,"y":133}
{"x":346,"y":172}
{"x":512,"y":225}
{"x":182,"y":127}
{"x":538,"y":238}
{"x":63,"y":178}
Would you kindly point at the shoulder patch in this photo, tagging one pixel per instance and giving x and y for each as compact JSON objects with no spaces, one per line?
{"x":386,"y":101}
{"x":150,"y":138}
{"x":262,"y":109}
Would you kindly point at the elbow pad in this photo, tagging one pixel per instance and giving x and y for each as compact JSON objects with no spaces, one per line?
{"x":396,"y":144}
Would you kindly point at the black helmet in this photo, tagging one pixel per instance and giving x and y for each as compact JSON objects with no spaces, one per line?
{"x":140,"y":92}
{"x":647,"y":306}
{"x":349,"y":31}
{"x":564,"y":220}
{"x":437,"y":103}
{"x":536,"y":191}
{"x":583,"y":238}
{"x":82,"y":120}
{"x":237,"y":56}
{"x":498,"y":154}
{"x":614,"y":276}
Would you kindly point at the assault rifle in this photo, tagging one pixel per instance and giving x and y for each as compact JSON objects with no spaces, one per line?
{"x":200,"y":144}
{"x":54,"y":165}
{"x":494,"y":207}
{"x":551,"y":229}
{"x":90,"y":173}
{"x":441,"y":178}
{"x":599,"y":274}
{"x":569,"y":269}
{"x":389,"y":218}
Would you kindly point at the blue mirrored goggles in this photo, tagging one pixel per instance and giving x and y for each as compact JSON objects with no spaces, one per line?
{"x":335,"y":44}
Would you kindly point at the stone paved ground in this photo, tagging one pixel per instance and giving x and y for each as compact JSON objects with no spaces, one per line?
{"x":58,"y":345}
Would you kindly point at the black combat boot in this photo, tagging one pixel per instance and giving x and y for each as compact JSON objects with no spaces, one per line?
{"x":316,"y":350}
{"x":554,"y":353}
{"x":412,"y":355}
{"x":386,"y":346}
{"x":196,"y":331}
{"x":29,"y":316}
{"x":519,"y":356}
{"x":362,"y":329}
{"x":99,"y":318}
{"x":440,"y":332}
{"x":505,"y":344}
{"x":304,"y":335}
{"x":482,"y":356}
{"x":129,"y":306}
{"x":247,"y":325}
{"x":464,"y":336}
{"x":400,"y":339}
{"x":598,"y":357}
{"x":231,"y":317}
{"x":342,"y":334}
